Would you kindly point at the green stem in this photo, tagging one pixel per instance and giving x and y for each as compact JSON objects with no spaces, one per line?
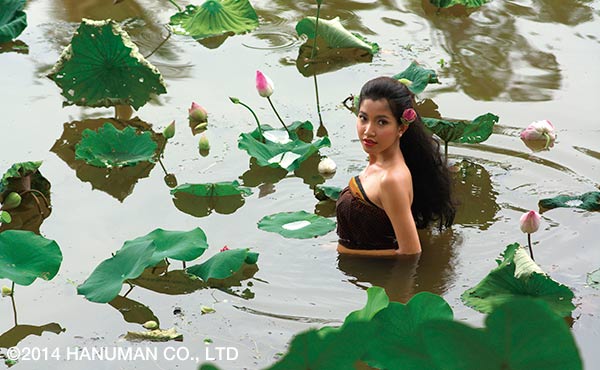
{"x":160,"y":155}
{"x":312,"y":55}
{"x":131,"y":286}
{"x":12,"y":298}
{"x":163,"y":166}
{"x":529,"y":243}
{"x":174,"y":3}
{"x":260,"y":131}
{"x":277,"y":114}
{"x":159,"y":45}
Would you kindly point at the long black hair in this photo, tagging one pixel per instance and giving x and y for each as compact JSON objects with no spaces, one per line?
{"x":432,"y":196}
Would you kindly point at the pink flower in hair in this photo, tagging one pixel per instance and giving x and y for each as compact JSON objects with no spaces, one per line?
{"x":408,"y":116}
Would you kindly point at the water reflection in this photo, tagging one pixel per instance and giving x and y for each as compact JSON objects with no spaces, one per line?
{"x":29,"y":215}
{"x":16,"y":334}
{"x":133,"y":311}
{"x":203,"y":205}
{"x":492,"y":60}
{"x":567,"y":12}
{"x":119,"y":182}
{"x":16,"y":46}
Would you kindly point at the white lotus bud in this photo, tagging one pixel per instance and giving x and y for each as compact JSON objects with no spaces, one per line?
{"x":327,"y":166}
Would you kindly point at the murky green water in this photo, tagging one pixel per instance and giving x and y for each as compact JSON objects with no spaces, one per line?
{"x":521,"y":60}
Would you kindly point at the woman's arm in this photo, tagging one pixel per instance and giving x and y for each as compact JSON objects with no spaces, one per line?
{"x":395,"y":196}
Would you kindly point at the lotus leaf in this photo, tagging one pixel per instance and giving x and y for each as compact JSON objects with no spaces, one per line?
{"x":517,"y":275}
{"x":133,"y":311}
{"x":589,"y":201}
{"x":520,"y":334}
{"x":177,"y":245}
{"x":284,"y":154}
{"x":299,"y":225}
{"x":223,"y":264}
{"x":25,"y":256}
{"x":593,"y":279}
{"x":156,"y":335}
{"x":24,"y":176}
{"x":105,"y":282}
{"x":172,"y":282}
{"x":200,"y":199}
{"x":214,"y":18}
{"x":473,"y":132}
{"x":418,"y":76}
{"x":466,"y":3}
{"x":335,"y":35}
{"x":13,"y":19}
{"x":102,"y":67}
{"x":110,"y":147}
{"x":328,"y":192}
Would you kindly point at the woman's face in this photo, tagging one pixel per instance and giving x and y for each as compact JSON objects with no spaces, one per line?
{"x":376,"y":126}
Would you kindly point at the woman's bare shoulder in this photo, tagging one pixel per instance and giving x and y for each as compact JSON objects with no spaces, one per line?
{"x":396,"y":179}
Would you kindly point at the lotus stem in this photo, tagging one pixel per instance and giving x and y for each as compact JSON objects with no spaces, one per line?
{"x":12,"y":298}
{"x":131,"y":286}
{"x":184,"y":266}
{"x":174,"y":3}
{"x":529,"y":243}
{"x":312,"y":55}
{"x":260,"y":131}
{"x":161,"y":44}
{"x":34,"y":194}
{"x":277,"y":114}
{"x":162,"y":166}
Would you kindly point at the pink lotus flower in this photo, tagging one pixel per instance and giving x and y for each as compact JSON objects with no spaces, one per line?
{"x":408,"y":116}
{"x":197,"y":114}
{"x":539,"y":135}
{"x":264,"y":85}
{"x":530,"y":222}
{"x":225,"y":248}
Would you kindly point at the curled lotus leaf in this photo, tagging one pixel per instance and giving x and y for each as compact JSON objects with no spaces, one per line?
{"x":323,"y":192}
{"x":223,"y":265}
{"x":589,"y":201}
{"x":111,"y":147}
{"x":460,"y":131}
{"x":299,"y":225}
{"x":215,"y":18}
{"x":517,"y":275}
{"x":418,"y":76}
{"x":335,"y":34}
{"x":450,"y":3}
{"x":26,"y":256}
{"x":24,"y":176}
{"x":102,"y":67}
{"x":13,"y":19}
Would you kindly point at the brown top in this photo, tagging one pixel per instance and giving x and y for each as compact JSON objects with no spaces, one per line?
{"x":360,"y":223}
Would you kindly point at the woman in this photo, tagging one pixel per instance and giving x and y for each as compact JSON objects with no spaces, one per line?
{"x":406,"y":184}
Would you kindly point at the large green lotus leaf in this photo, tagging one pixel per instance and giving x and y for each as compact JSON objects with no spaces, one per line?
{"x":335,"y":35}
{"x":470,"y":132}
{"x":377,"y":300}
{"x":223,"y":264}
{"x":105,"y":282}
{"x":521,"y":334}
{"x":418,"y":76}
{"x":593,"y":279}
{"x":24,"y":176}
{"x":177,"y":245}
{"x":398,"y":344}
{"x":450,"y":3}
{"x":102,"y":67}
{"x":589,"y":201}
{"x":517,"y":275}
{"x":26,"y":256}
{"x":201,"y":199}
{"x":287,"y":153}
{"x":339,"y":350}
{"x":299,"y":225}
{"x":13,"y":19}
{"x":215,"y":17}
{"x":111,"y":147}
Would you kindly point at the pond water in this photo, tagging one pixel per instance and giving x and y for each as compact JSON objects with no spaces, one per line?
{"x":521,"y":60}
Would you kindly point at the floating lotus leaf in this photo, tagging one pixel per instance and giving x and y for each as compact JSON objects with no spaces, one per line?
{"x":200,"y":199}
{"x":223,"y":264}
{"x":102,"y":67}
{"x":133,"y":311}
{"x":593,"y":279}
{"x":450,"y":3}
{"x":287,"y":153}
{"x":156,"y":335}
{"x":173,"y":282}
{"x":111,"y":147}
{"x":26,"y":256}
{"x":24,"y":176}
{"x":521,"y":334}
{"x":470,"y":132}
{"x":589,"y":201}
{"x":17,"y":333}
{"x":119,"y":182}
{"x":13,"y":19}
{"x":299,"y":225}
{"x":328,"y":192}
{"x":105,"y":282}
{"x":418,"y":76}
{"x":214,"y":18}
{"x":177,"y":245}
{"x":518,"y":275}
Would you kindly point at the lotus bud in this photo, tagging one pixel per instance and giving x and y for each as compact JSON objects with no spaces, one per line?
{"x":150,"y":325}
{"x":539,"y":135}
{"x":530,"y":222}
{"x":6,"y":291}
{"x":203,"y":145}
{"x":408,"y":116}
{"x":234,"y":100}
{"x":264,"y":85}
{"x":5,"y":217}
{"x":169,"y":131}
{"x":12,"y":200}
{"x":327,"y":166}
{"x":197,"y":114}
{"x":406,"y":82}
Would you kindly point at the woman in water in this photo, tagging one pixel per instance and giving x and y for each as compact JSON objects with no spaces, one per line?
{"x":406,"y":184}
